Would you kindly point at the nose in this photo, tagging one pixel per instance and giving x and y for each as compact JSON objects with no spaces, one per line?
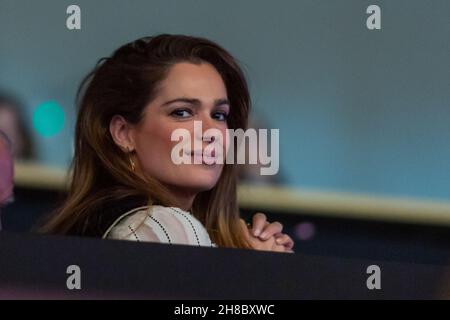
{"x":204,"y":135}
{"x":209,"y":138}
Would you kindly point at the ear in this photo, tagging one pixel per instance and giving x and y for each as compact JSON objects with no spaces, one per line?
{"x":122,"y":133}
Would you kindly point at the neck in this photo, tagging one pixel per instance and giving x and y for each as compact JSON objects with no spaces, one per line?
{"x":185,"y":198}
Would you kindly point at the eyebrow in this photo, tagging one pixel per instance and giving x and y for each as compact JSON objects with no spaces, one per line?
{"x":196,"y":102}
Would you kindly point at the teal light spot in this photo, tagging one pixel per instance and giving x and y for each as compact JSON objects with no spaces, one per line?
{"x":48,"y":119}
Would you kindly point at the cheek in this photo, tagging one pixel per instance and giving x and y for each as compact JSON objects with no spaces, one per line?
{"x":153,"y":147}
{"x":226,"y":141}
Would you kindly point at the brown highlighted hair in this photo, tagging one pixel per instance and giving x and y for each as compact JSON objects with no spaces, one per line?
{"x":124,"y":84}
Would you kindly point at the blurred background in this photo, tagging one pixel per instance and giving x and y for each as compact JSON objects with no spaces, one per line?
{"x":364,"y":115}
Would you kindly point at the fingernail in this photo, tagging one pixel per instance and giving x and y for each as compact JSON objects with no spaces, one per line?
{"x":278,"y":240}
{"x":256,"y":232}
{"x":263,"y":235}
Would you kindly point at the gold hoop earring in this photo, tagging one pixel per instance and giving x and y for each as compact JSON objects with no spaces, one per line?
{"x":130,"y":159}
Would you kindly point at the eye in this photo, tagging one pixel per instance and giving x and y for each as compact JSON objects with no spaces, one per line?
{"x":221,"y":116}
{"x":181,"y":113}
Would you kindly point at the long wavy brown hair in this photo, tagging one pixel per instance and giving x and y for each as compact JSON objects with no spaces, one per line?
{"x":124,"y":84}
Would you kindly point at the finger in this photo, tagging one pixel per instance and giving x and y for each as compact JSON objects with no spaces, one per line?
{"x":281,"y":248}
{"x":285,"y":241}
{"x":271,"y":230}
{"x":259,"y":222}
{"x":278,"y":248}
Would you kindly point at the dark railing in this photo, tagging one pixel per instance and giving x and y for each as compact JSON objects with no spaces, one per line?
{"x":33,"y":266}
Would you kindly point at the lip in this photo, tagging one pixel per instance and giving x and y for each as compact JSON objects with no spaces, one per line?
{"x":199,"y":155}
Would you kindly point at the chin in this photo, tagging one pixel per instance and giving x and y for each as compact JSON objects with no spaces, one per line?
{"x":201,"y":185}
{"x":200,"y":179}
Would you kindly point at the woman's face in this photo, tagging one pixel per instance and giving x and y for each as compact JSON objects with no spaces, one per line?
{"x":191,"y":92}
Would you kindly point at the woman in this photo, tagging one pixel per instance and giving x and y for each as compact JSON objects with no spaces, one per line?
{"x":6,"y":172}
{"x":125,"y":184}
{"x":12,"y":124}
